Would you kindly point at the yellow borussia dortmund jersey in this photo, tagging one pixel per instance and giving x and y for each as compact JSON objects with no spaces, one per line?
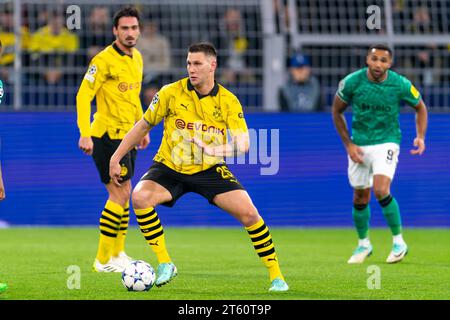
{"x":186,"y":114}
{"x":115,"y":79}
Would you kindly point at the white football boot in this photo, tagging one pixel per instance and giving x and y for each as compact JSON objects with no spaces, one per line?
{"x":107,"y":267}
{"x":121,"y":260}
{"x":399,"y":251}
{"x":360,"y":254}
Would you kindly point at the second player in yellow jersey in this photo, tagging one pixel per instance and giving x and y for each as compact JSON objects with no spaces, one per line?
{"x":114,"y":78}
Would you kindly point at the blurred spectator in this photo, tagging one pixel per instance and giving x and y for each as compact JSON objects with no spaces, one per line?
{"x":301,"y":93}
{"x":41,"y":19}
{"x":97,"y":33}
{"x":281,"y":13}
{"x":421,"y":21}
{"x":424,"y":58}
{"x":8,"y":39}
{"x":235,"y":47}
{"x":52,"y":47}
{"x":398,"y":15}
{"x":155,"y":50}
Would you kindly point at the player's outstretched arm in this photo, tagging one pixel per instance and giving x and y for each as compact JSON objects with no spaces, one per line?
{"x":131,"y":139}
{"x":340,"y":124}
{"x":421,"y":128}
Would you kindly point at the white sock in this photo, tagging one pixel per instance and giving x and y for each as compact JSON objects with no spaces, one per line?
{"x":398,"y":239}
{"x":364,"y":242}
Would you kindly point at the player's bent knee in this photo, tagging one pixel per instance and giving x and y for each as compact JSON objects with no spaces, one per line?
{"x":381,"y":193}
{"x":361,"y":200}
{"x":119,"y":195}
{"x":249,"y":216}
{"x":141,"y":199}
{"x":125,"y":193}
{"x":361,"y":196}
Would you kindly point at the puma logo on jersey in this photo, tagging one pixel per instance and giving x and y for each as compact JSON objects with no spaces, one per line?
{"x":185,"y":106}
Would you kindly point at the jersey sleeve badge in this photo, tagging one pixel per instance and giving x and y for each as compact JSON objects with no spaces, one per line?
{"x":90,"y":73}
{"x":154,"y":101}
{"x":414,"y":92}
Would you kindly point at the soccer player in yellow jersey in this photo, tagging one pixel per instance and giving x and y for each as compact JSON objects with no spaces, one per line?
{"x":198,"y":114}
{"x":114,"y":77}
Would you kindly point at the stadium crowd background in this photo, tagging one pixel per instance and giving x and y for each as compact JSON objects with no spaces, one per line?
{"x":49,"y":181}
{"x":53,"y":59}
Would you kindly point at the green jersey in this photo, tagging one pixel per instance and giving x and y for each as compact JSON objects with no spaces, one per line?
{"x":376,"y":105}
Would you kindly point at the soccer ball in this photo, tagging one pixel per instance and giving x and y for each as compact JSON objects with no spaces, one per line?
{"x":138,"y":276}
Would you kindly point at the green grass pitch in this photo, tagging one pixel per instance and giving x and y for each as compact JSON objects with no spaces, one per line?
{"x":220,"y":264}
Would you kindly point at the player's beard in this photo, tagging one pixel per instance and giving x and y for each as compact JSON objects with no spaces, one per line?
{"x":126,"y":45}
{"x":378,"y":76}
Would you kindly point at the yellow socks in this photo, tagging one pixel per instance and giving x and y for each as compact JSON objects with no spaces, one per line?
{"x":153,"y":232}
{"x":120,"y":239}
{"x":265,"y":248}
{"x":109,"y":228}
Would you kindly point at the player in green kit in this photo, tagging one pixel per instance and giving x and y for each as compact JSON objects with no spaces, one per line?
{"x":375,"y":93}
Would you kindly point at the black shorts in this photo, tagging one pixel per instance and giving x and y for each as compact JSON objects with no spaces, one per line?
{"x":104,"y":148}
{"x":209,"y":183}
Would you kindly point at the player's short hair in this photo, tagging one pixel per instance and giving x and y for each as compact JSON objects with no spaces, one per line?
{"x":125,"y":12}
{"x":380,"y":46}
{"x":207,"y":48}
